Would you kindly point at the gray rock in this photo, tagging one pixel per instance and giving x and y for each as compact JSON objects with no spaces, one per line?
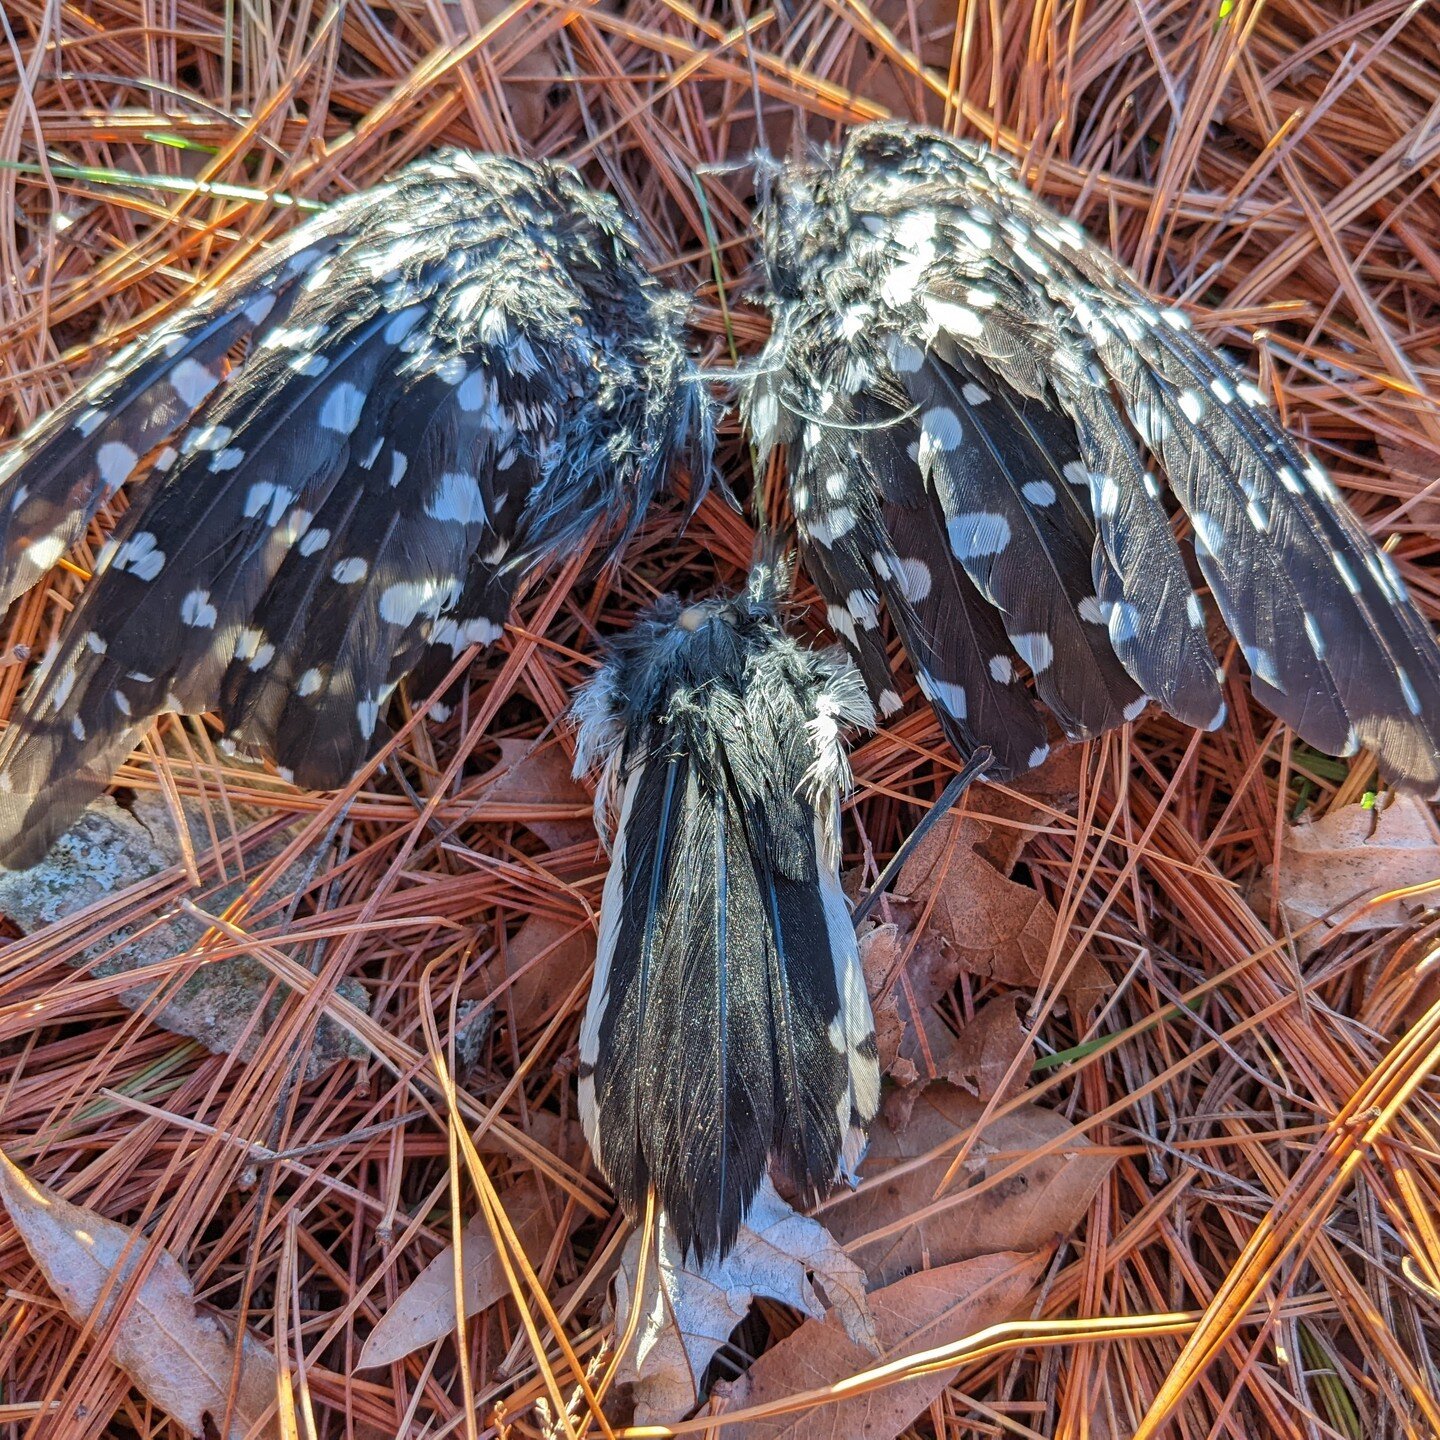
{"x":109,"y":849}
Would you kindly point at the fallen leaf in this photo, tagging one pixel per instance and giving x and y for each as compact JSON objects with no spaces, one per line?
{"x":879,"y":954}
{"x":536,"y":784}
{"x":1421,"y":467}
{"x":1049,"y":1197}
{"x":177,"y":1356}
{"x":920,"y":1312}
{"x":688,"y":1312}
{"x":425,"y":1309}
{"x":1025,"y":802}
{"x":532,"y":997}
{"x":1355,"y":852}
{"x":996,"y":927}
{"x":978,"y":1059}
{"x":523,"y":89}
{"x":109,"y":849}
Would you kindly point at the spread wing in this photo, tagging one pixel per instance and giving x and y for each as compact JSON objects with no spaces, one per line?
{"x":1045,"y":415}
{"x":456,"y":383}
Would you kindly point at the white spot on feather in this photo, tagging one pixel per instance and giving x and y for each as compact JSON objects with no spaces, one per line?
{"x":191,"y":381}
{"x":982,"y":532}
{"x":1209,"y":537}
{"x":45,"y":551}
{"x":115,"y":461}
{"x":1035,"y":649}
{"x":197,"y":611}
{"x":1412,"y":700}
{"x":402,"y":602}
{"x":841,"y":622}
{"x":1346,"y":573}
{"x":456,"y":497}
{"x":827,"y":529}
{"x":140,"y":556}
{"x":912,"y":578}
{"x":943,"y":317}
{"x":459,"y":634}
{"x":342,"y":407}
{"x":1262,"y":665}
{"x":1124,"y":622}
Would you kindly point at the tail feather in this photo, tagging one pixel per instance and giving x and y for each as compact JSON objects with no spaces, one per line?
{"x":725,"y":1031}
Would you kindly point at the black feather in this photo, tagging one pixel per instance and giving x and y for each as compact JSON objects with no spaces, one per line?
{"x":473,"y":374}
{"x":728,"y":1025}
{"x":912,"y":275}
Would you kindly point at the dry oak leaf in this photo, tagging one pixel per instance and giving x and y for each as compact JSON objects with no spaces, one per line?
{"x":980,"y":1058}
{"x":1047,"y":1197}
{"x":533,"y":785}
{"x":425,"y":1309}
{"x":177,"y":1356}
{"x":1352,"y":853}
{"x":996,"y":927}
{"x":688,"y":1311}
{"x":880,"y":950}
{"x":1026,"y":801}
{"x":921,"y":1312}
{"x":568,"y":948}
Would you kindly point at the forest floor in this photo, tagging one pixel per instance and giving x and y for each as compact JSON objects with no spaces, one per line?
{"x":1187,"y":1098}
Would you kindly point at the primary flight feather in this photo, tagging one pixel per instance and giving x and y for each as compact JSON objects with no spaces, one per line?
{"x":988,"y":424}
{"x":450,"y":380}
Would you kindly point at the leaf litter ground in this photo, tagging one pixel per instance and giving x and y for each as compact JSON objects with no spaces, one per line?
{"x":1161,"y":1065}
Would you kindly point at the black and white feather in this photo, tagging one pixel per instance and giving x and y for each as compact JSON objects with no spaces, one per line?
{"x":450,"y":380}
{"x":988,"y":421}
{"x":728,"y":1026}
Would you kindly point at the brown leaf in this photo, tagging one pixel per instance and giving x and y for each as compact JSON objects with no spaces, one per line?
{"x":879,"y":953}
{"x":978,"y":1059}
{"x":1352,"y":853}
{"x":425,"y":1310}
{"x":568,"y":947}
{"x":523,"y":88}
{"x":534,"y":782}
{"x":1055,"y":785}
{"x":1049,"y":1197}
{"x":997,"y":927}
{"x":177,"y":1356}
{"x":920,"y":1312}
